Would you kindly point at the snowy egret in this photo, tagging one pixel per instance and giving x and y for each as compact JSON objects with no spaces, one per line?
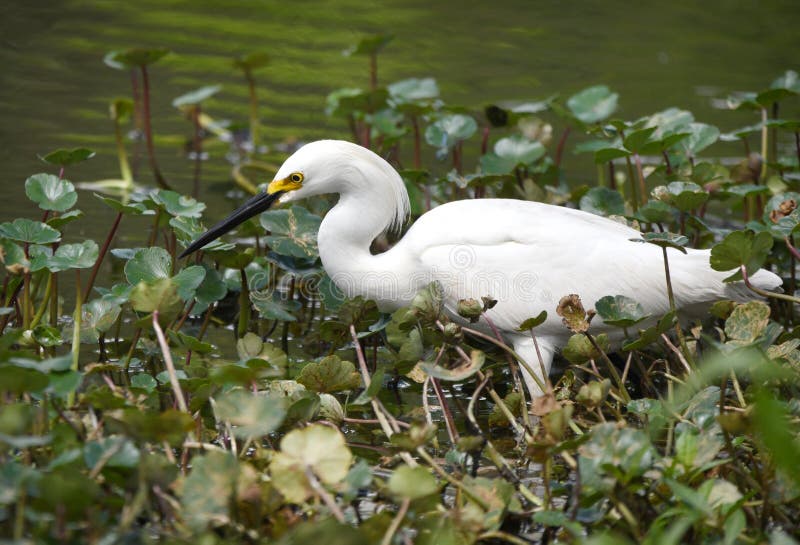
{"x":526,"y":255}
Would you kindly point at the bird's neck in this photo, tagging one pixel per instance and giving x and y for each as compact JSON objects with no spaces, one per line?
{"x":345,"y":237}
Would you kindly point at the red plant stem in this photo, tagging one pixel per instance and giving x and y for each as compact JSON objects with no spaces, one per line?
{"x":791,"y":247}
{"x":418,"y":143}
{"x":612,"y":182}
{"x":642,"y":187}
{"x":11,"y":300}
{"x":148,"y":131}
{"x":797,"y":145}
{"x":666,"y":161}
{"x":560,"y":149}
{"x":101,"y":256}
{"x":448,"y":416}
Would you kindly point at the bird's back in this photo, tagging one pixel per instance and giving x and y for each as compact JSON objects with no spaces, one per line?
{"x":528,"y":255}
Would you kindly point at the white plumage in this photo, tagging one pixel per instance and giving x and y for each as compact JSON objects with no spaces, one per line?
{"x":527,"y":255}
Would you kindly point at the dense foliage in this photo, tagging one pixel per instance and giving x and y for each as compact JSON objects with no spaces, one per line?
{"x":333,"y":423}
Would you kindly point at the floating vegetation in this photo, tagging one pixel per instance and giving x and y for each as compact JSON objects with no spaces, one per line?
{"x":331,"y":422}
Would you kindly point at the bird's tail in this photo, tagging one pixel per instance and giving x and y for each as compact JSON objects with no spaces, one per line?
{"x":697,"y":283}
{"x":762,"y":279}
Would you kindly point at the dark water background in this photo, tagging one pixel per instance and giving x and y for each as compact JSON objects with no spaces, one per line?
{"x":55,"y":89}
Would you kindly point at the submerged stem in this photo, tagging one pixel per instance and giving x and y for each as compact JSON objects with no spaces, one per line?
{"x":148,"y":131}
{"x":101,"y":256}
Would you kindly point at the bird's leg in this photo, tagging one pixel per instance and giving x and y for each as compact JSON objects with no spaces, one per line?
{"x":526,"y":348}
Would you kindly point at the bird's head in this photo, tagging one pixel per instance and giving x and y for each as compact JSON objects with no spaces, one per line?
{"x":325,"y":166}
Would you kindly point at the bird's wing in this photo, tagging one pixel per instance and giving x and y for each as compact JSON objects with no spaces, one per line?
{"x":528,"y":255}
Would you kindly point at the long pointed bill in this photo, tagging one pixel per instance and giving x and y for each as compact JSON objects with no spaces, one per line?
{"x":255,"y":205}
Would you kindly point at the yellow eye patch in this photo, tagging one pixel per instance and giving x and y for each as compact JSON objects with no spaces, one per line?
{"x":290,"y":183}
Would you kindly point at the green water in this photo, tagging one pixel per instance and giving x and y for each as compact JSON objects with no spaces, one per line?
{"x":55,"y":90}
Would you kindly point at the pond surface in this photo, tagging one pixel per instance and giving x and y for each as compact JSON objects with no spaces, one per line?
{"x":55,"y":89}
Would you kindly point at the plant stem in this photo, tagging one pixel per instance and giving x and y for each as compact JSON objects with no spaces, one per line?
{"x":640,"y":172}
{"x":392,"y":529}
{"x":561,"y":143}
{"x":508,"y":349}
{"x":244,"y":306}
{"x":26,"y":300}
{"x":666,"y":161}
{"x":452,"y":480}
{"x":48,"y":291}
{"x":362,"y":365}
{"x":797,"y":145}
{"x":254,"y":123}
{"x":674,"y":309}
{"x":148,"y":131}
{"x":764,"y":144}
{"x":76,"y":332}
{"x":623,"y":392}
{"x":101,"y":256}
{"x":448,"y":417}
{"x":632,"y":178}
{"x":122,"y":154}
{"x":173,"y":375}
{"x":764,"y":293}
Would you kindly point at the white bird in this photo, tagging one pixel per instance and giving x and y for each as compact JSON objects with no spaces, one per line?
{"x":526,"y":255}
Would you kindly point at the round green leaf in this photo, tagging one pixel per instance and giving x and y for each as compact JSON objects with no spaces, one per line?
{"x":602,"y":201}
{"x":68,"y":256}
{"x":700,"y":137}
{"x":209,"y":491}
{"x":133,"y":209}
{"x":511,"y":152}
{"x":50,"y":193}
{"x":413,"y":90}
{"x":579,"y":349}
{"x":747,"y":322}
{"x":593,"y":104}
{"x":665,"y":240}
{"x":30,"y":231}
{"x":176,"y":204}
{"x":412,"y":483}
{"x":741,"y":248}
{"x":370,"y":45}
{"x":251,"y":61}
{"x":684,"y":196}
{"x":188,"y":280}
{"x":655,"y":212}
{"x":271,"y":306}
{"x":330,"y":374}
{"x":251,"y":415}
{"x":160,"y":294}
{"x":620,"y":311}
{"x":148,"y":264}
{"x":316,"y":448}
{"x":66,"y":157}
{"x":447,"y":131}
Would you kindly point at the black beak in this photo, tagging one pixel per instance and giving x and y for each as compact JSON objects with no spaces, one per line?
{"x":254,"y":205}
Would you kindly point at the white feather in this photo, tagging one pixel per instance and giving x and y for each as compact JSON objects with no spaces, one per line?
{"x":527,"y":255}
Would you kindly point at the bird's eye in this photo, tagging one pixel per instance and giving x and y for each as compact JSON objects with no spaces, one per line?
{"x":296,"y":177}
